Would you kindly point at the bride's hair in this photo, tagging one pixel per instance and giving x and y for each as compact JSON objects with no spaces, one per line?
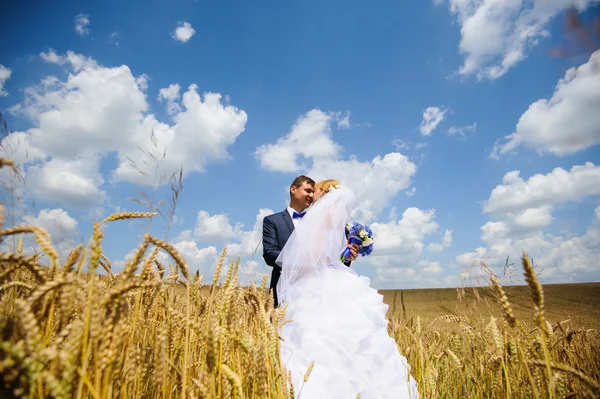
{"x":326,"y":184}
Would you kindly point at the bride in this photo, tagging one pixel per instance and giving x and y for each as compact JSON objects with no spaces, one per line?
{"x":337,"y":320}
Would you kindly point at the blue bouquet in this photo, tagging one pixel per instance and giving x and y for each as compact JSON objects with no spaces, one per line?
{"x":356,"y":233}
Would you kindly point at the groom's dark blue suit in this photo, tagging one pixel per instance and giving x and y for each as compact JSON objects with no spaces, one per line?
{"x":277,"y":229}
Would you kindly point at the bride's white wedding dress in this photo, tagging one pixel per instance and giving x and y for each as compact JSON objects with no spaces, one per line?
{"x":337,"y":320}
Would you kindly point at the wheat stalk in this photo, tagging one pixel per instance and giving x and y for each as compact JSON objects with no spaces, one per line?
{"x":129,"y":215}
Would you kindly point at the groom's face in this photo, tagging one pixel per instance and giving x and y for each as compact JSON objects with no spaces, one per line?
{"x":303,"y":195}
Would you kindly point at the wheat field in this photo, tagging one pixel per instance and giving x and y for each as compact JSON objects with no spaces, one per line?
{"x":156,"y":331}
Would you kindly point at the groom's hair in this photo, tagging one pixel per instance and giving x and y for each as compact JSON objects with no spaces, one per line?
{"x":298,"y":181}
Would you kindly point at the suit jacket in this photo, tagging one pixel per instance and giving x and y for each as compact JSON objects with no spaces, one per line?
{"x":277,"y":229}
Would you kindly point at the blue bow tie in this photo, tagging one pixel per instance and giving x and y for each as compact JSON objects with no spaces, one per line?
{"x":298,"y":215}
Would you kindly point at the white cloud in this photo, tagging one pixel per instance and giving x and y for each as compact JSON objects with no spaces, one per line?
{"x":429,"y":267}
{"x":59,"y":224}
{"x":462,"y":131}
{"x":34,"y":102}
{"x":114,"y":38}
{"x":199,"y":259}
{"x":218,"y":229}
{"x":183,"y":32}
{"x":102,"y":110}
{"x":17,"y":147}
{"x":74,"y":183}
{"x":4,"y":76}
{"x":403,"y":238}
{"x":310,"y":138}
{"x":561,"y":257}
{"x":497,"y":35}
{"x":445,"y":243}
{"x":424,"y":274}
{"x":400,"y":144}
{"x":250,"y":241}
{"x":77,"y":122}
{"x":203,"y":131}
{"x":215,"y":227}
{"x":534,"y":218}
{"x":525,"y":207}
{"x":97,"y":109}
{"x":516,"y":195}
{"x":56,"y":222}
{"x":170,"y":95}
{"x":377,"y":183}
{"x":202,"y":259}
{"x":251,"y":271}
{"x":565,"y":124}
{"x":432,"y":116}
{"x":52,"y":58}
{"x":142,"y":82}
{"x":469,"y":258}
{"x":523,"y":211}
{"x":82,"y":21}
{"x":76,"y":62}
{"x":343,"y":122}
{"x":569,"y":257}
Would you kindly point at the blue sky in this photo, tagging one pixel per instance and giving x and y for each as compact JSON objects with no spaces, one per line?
{"x":408,"y":104}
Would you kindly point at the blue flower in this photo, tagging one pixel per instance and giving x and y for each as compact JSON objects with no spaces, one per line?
{"x":353,"y":229}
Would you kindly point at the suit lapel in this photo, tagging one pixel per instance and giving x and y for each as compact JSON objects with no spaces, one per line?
{"x":288,"y":220}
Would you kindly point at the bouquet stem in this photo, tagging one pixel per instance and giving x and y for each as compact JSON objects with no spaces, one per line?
{"x":346,"y":254}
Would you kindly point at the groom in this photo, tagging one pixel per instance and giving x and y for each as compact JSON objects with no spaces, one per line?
{"x":278,"y":227}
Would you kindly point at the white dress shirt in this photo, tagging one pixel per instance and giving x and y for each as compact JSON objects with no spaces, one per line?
{"x":295,"y":221}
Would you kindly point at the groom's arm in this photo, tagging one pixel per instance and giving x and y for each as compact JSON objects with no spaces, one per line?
{"x":270,"y":249}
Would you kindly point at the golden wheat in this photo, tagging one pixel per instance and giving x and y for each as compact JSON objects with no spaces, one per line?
{"x":141,"y":334}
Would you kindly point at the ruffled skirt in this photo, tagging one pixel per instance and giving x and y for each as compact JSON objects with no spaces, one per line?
{"x":338,"y":322}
